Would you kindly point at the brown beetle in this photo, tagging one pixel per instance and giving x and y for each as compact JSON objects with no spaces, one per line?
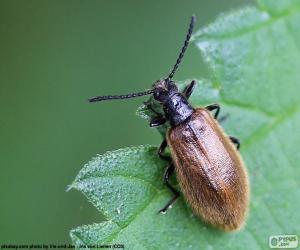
{"x":210,"y":171}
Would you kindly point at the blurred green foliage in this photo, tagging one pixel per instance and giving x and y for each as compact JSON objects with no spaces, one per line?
{"x":56,"y":54}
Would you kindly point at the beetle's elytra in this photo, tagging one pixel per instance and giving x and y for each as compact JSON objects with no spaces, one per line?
{"x":210,"y":171}
{"x":209,"y":168}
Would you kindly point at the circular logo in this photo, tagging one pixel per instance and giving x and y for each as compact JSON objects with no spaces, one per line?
{"x":274,"y":241}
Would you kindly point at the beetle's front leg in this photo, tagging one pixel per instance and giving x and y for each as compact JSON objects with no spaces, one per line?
{"x":158,"y":120}
{"x":188,"y":90}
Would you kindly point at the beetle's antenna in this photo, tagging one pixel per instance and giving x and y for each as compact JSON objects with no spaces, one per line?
{"x":114,"y":97}
{"x":185,"y":45}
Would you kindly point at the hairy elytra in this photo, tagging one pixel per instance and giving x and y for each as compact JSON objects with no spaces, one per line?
{"x":209,"y":168}
{"x":210,"y":171}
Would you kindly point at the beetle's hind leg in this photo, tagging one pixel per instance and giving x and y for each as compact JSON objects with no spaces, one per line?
{"x":235,"y":141}
{"x":188,"y":90}
{"x":212,"y":107}
{"x":168,"y":172}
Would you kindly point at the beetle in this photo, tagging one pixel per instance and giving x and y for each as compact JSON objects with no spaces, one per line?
{"x":208,"y":166}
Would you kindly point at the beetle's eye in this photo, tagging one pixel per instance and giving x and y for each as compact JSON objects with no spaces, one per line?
{"x":160,"y":95}
{"x":156,"y":94}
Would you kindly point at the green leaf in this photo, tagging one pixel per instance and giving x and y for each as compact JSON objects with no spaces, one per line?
{"x":254,"y":58}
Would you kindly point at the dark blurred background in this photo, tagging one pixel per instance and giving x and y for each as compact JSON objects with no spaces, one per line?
{"x":53,"y":56}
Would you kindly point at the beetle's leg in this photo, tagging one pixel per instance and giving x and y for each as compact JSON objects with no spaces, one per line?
{"x":161,"y":151}
{"x":149,"y":106}
{"x":157,"y":121}
{"x":236,"y":141}
{"x":213,"y":107}
{"x":168,"y":172}
{"x":188,"y":90}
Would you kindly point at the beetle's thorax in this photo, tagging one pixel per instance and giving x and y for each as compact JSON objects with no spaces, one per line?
{"x":176,"y":107}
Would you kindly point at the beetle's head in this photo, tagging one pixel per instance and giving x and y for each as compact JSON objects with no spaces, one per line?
{"x":164,"y":89}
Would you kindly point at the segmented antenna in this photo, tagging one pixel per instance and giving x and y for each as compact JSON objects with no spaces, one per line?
{"x":148,"y":92}
{"x":114,"y":97}
{"x":183,"y":49}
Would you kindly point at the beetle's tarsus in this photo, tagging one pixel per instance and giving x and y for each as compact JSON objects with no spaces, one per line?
{"x":157,"y":121}
{"x":168,"y":172}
